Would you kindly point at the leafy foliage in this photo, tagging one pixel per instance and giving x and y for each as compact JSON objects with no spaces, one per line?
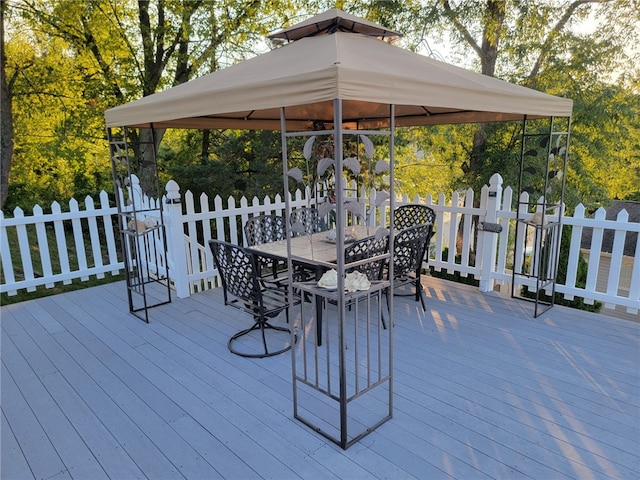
{"x":73,"y":60}
{"x":241,"y":163}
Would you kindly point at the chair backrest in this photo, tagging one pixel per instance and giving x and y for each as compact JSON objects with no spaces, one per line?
{"x":238,"y":272}
{"x":367,"y":248}
{"x":406,"y":216}
{"x":308,"y":219}
{"x":264,"y":229}
{"x":409,"y":248}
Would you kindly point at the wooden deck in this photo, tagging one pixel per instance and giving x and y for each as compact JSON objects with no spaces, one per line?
{"x":482,"y":390}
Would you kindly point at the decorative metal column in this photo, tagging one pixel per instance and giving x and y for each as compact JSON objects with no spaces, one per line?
{"x":540,"y":207}
{"x":140,"y":222}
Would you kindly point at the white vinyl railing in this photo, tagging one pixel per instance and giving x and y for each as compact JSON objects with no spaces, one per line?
{"x":613,"y":279}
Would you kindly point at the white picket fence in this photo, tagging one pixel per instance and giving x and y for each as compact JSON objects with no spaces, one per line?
{"x":70,"y":254}
{"x":191,"y":223}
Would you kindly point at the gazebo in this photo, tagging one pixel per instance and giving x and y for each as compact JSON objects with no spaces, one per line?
{"x":336,"y":78}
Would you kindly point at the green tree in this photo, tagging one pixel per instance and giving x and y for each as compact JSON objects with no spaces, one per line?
{"x":537,"y":44}
{"x":525,"y":41}
{"x":241,"y":163}
{"x":125,"y":50}
{"x":52,"y":115}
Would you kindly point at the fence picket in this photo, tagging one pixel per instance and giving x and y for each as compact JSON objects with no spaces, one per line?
{"x":574,"y":252}
{"x":206,"y":232}
{"x":594,"y":263}
{"x":193,"y":259}
{"x":233,"y":221}
{"x":615,"y":265}
{"x":6,"y":258}
{"x":93,"y":234}
{"x":78,"y":238}
{"x":453,"y":230}
{"x":467,"y":234}
{"x":25,"y":252}
{"x":217,"y":207}
{"x":504,"y":216}
{"x":43,"y":246}
{"x":110,"y":238}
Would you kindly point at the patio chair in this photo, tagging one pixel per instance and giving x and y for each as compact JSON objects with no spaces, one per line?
{"x":361,"y":250}
{"x":410,"y":215}
{"x":308,"y":218}
{"x":244,"y":289}
{"x":369,"y":247}
{"x":408,"y":253}
{"x":264,"y":229}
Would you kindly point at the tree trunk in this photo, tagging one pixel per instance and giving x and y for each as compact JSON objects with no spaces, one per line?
{"x":204,"y":153}
{"x":6,"y":119}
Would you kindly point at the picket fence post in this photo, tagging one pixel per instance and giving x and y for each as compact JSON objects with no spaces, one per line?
{"x":489,"y":240}
{"x":175,"y":240}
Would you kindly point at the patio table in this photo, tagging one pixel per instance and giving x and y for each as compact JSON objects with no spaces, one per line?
{"x":315,"y":252}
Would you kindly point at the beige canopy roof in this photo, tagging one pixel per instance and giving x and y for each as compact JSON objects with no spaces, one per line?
{"x":308,"y":74}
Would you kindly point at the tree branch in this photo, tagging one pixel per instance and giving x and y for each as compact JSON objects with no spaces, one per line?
{"x":453,"y":16}
{"x":553,"y":35}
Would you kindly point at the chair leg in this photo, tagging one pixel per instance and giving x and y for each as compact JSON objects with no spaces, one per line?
{"x":262,"y":325}
{"x":384,"y":323}
{"x":420,"y":294}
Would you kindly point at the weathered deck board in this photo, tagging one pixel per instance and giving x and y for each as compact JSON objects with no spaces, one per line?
{"x":482,"y":390}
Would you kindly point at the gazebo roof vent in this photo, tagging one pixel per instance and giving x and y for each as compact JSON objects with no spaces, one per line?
{"x":331,"y":21}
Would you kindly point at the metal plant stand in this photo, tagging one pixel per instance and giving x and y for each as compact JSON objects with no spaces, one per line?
{"x":140,"y":222}
{"x":540,"y":203}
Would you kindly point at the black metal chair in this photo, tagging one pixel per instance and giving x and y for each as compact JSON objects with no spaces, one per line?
{"x":264,"y":229}
{"x":306,"y":221}
{"x":364,"y":249}
{"x":367,"y":248}
{"x":244,"y":289}
{"x":410,"y":215}
{"x":409,"y":247}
